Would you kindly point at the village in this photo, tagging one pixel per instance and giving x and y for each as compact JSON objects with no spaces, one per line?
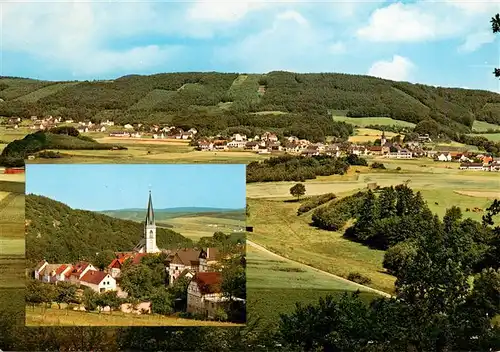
{"x":201,"y":267}
{"x":270,"y":143}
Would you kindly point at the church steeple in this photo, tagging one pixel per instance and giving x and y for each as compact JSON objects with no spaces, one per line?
{"x":150,"y":215}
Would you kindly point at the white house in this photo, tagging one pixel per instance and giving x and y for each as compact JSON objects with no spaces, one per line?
{"x":237,"y":144}
{"x":444,"y":157}
{"x":99,"y":281}
{"x":128,"y":126}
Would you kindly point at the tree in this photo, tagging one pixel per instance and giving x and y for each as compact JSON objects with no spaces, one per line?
{"x":298,"y":190}
{"x":495,"y":25}
{"x":90,"y":299}
{"x":162,"y":302}
{"x":104,"y":258}
{"x":66,"y":293}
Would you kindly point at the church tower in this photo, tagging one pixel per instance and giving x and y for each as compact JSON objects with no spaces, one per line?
{"x":383,"y":140}
{"x":150,"y":229}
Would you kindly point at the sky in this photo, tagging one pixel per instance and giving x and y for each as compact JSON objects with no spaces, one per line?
{"x":446,"y":43}
{"x":111,"y":187}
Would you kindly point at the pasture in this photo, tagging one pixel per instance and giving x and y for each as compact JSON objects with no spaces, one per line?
{"x":494,"y":137}
{"x":481,"y":126}
{"x":195,"y":227}
{"x":366,"y":121}
{"x":277,"y":283}
{"x":64,"y":317}
{"x":363,"y":135}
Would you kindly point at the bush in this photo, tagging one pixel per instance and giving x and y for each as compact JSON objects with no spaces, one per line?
{"x":49,"y":154}
{"x":314,"y":202}
{"x":359,"y":278}
{"x":398,"y":168}
{"x":377,"y":165}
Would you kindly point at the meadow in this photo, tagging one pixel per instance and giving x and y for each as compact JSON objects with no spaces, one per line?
{"x":12,"y":244}
{"x":40,"y":316}
{"x":481,"y":126}
{"x":195,"y":227}
{"x":495,"y":137}
{"x":278,"y":283}
{"x":367,"y":121}
{"x":278,"y":228}
{"x":363,"y":135}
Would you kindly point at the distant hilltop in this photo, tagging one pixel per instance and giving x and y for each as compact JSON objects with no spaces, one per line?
{"x":179,"y":210}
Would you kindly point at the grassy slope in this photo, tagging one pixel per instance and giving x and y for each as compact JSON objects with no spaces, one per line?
{"x":44,"y":92}
{"x":366,"y":121}
{"x":480,"y":126}
{"x":278,"y":284}
{"x":65,"y":317}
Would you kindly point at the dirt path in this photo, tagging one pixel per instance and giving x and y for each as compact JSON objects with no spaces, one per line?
{"x":339,"y":278}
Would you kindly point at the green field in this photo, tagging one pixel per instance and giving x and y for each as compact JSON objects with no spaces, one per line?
{"x":495,"y":137}
{"x":280,"y":284}
{"x":363,"y":135}
{"x":153,"y":98}
{"x":481,"y":126}
{"x":12,"y":244}
{"x":366,"y":121}
{"x":65,"y":317}
{"x":278,"y":228}
{"x":202,"y":226}
{"x":45,"y":92}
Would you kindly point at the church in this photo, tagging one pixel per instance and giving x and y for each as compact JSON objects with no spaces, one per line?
{"x":148,"y":242}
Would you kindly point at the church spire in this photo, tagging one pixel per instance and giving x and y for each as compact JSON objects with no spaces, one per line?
{"x":150,"y":216}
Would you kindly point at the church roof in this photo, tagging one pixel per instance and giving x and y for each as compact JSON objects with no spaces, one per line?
{"x":150,"y":216}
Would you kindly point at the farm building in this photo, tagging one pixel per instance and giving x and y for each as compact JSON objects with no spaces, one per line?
{"x":471,"y":166}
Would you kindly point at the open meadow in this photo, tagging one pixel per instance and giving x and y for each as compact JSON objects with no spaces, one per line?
{"x":278,"y":283}
{"x":481,"y":126}
{"x":367,"y":121}
{"x":364,"y":135}
{"x":12,"y":244}
{"x":65,"y":317}
{"x":195,"y":227}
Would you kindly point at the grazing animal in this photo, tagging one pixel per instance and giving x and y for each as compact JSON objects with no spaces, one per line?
{"x":436,"y":203}
{"x":467,"y":209}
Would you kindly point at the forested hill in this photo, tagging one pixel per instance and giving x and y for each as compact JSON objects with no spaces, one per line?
{"x":215,"y":101}
{"x":61,"y":234}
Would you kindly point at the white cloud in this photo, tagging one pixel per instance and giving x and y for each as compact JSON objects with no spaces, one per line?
{"x":221,"y":11}
{"x":427,"y":20}
{"x":397,"y":69}
{"x":476,"y":40}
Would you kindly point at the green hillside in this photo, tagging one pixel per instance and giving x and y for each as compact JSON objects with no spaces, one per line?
{"x":59,"y":233}
{"x":167,"y":214}
{"x":218,"y":101}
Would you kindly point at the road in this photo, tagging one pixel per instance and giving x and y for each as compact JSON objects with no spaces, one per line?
{"x":339,"y":278}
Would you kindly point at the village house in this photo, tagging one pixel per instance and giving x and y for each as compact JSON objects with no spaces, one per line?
{"x":494,"y":166}
{"x":443,"y":157}
{"x":238,"y":137}
{"x":108,"y":123}
{"x":268,"y":136}
{"x":252,"y":146}
{"x":83,"y":129}
{"x":69,"y":121}
{"x":310,"y":151}
{"x":292,"y":139}
{"x":119,"y":134}
{"x":78,"y":270}
{"x":99,"y":281}
{"x":424,"y":138}
{"x":236,"y":144}
{"x":204,"y":294}
{"x":97,"y":128}
{"x":220,"y":144}
{"x":205,"y":145}
{"x":128,"y":126}
{"x":186,"y":259}
{"x":377,"y":150}
{"x":400,"y":154}
{"x":208,"y":259}
{"x":52,"y":273}
{"x":472,"y":166}
{"x":293,"y":147}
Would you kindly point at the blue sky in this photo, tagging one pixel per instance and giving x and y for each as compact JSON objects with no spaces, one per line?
{"x":447,"y":43}
{"x":109,"y":187}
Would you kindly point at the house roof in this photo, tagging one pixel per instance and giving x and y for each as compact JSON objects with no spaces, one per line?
{"x":188,"y":256}
{"x":49,"y":268}
{"x":138,"y":257}
{"x":62,"y":268}
{"x":185,"y":272}
{"x":79,"y":267}
{"x":40,"y":264}
{"x":94,"y":277}
{"x":471,"y":164}
{"x":376,"y":148}
{"x":208,"y":282}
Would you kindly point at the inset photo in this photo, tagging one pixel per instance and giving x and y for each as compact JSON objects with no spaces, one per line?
{"x":135,"y":245}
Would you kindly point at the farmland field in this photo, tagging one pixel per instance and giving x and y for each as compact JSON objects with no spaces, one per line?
{"x":279,"y":284}
{"x":495,"y":137}
{"x":195,"y":227}
{"x":65,"y":317}
{"x":363,"y":135}
{"x":366,"y":121}
{"x":12,"y":246}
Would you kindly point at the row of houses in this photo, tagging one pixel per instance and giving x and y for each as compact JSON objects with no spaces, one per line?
{"x":164,"y":133}
{"x":494,"y":166}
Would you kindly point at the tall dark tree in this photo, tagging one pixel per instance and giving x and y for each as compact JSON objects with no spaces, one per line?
{"x":495,"y":25}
